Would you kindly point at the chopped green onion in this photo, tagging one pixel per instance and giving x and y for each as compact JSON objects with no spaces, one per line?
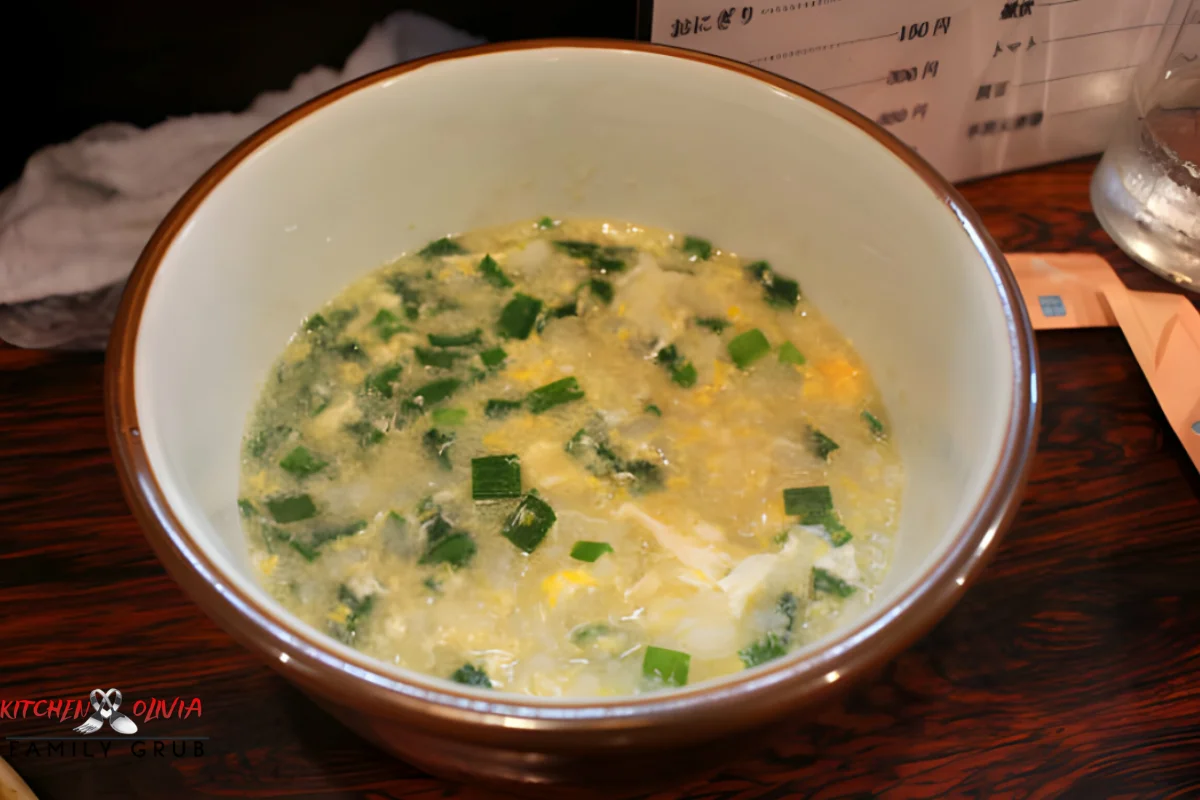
{"x":545,"y":223}
{"x":601,"y":289}
{"x":384,"y":382}
{"x":683,"y":372}
{"x":697,"y":248}
{"x":748,"y":347}
{"x":875,"y":424}
{"x":338,"y":319}
{"x":838,"y":534}
{"x":600,"y":460}
{"x":577,"y":249}
{"x":821,"y":444}
{"x":590,"y":551}
{"x":559,"y":392}
{"x":589,"y":632}
{"x":518,"y":316}
{"x":431,"y":393}
{"x":783,"y":292}
{"x":456,"y":339}
{"x":366,"y":433}
{"x":825,"y":581}
{"x":308,"y":553}
{"x":246,"y":508}
{"x":778,"y":291}
{"x":788,"y":354}
{"x":653,"y":409}
{"x":455,"y":549}
{"x":438,"y":358}
{"x":409,"y":296}
{"x":449,"y":416}
{"x":388,"y":324}
{"x":814,"y":506}
{"x":668,"y":666}
{"x":302,"y":463}
{"x":329,"y":534}
{"x":432,"y":584}
{"x":493,"y":357}
{"x":714,"y":324}
{"x":808,"y":502}
{"x":645,"y":475}
{"x":314,"y":398}
{"x":437,"y":445}
{"x":350,"y":351}
{"x":436,"y":527}
{"x":601,"y":259}
{"x":529,"y":523}
{"x":567,"y":309}
{"x":605,"y":264}
{"x":291,"y":508}
{"x":471,"y":675}
{"x":766,"y":649}
{"x":667,"y":356}
{"x":444,"y":246}
{"x":358,"y":608}
{"x":266,"y":439}
{"x":498,"y":409}
{"x":789,"y":606}
{"x":495,"y":477}
{"x":493,"y":274}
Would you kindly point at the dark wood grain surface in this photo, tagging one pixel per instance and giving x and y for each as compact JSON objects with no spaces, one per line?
{"x":1072,"y":669}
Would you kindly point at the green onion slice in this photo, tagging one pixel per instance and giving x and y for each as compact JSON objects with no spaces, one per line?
{"x":493,"y":274}
{"x":590,"y":551}
{"x":441,"y":247}
{"x":826,"y":582}
{"x":748,"y":347}
{"x":528,"y":525}
{"x":519,"y":316}
{"x":554,"y":394}
{"x":668,"y":666}
{"x":291,"y":508}
{"x":302,"y":463}
{"x":495,"y":477}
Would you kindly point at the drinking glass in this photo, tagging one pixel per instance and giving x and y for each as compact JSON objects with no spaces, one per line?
{"x":1146,"y":189}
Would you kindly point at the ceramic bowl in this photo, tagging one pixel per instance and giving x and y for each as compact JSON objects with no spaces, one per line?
{"x":681,"y":140}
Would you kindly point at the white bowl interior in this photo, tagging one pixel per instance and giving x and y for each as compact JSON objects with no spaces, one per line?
{"x":627,"y":135}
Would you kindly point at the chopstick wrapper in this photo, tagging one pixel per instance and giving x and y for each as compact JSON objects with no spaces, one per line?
{"x":1163,"y":330}
{"x":74,"y":224}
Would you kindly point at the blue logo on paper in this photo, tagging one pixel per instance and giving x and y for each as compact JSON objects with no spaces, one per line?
{"x":1052,"y":305}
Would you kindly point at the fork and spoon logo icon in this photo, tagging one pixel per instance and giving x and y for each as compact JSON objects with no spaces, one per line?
{"x":105,"y":705}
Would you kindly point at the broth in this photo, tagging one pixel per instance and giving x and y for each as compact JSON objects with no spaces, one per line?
{"x":571,"y":458}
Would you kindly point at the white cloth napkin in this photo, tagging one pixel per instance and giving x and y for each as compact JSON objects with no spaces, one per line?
{"x":72,"y":227}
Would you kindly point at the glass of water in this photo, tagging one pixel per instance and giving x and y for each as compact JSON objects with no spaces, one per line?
{"x":1146,"y":190}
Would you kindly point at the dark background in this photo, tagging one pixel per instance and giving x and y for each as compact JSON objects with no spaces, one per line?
{"x":69,"y":66}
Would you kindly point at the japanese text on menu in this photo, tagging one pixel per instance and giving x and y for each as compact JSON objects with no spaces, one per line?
{"x":976,"y":86}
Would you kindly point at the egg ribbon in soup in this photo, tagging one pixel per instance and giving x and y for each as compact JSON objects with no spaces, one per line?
{"x":571,"y":458}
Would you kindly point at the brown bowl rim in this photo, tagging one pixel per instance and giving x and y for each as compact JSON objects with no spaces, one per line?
{"x":366,"y":683}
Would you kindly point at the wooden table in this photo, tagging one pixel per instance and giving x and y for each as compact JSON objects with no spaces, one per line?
{"x":1072,"y":668}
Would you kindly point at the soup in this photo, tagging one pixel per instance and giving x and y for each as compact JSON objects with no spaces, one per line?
{"x":571,"y":458}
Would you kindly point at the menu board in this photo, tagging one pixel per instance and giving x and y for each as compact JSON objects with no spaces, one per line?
{"x":975,"y":86}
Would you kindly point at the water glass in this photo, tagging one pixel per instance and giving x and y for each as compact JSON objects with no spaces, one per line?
{"x":1146,"y":189}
